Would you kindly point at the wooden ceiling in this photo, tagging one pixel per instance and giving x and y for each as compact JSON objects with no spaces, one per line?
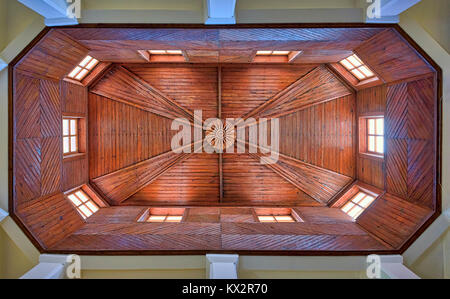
{"x":129,"y":105}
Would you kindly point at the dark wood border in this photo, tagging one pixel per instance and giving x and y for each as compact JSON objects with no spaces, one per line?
{"x":406,"y":37}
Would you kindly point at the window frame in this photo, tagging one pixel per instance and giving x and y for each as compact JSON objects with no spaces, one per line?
{"x":70,"y":136}
{"x":83,"y":68}
{"x":162,"y":212}
{"x":275,"y":220}
{"x":357,"y":68}
{"x":375,"y":135}
{"x":357,"y":204}
{"x":364,"y":136}
{"x":84,"y":204}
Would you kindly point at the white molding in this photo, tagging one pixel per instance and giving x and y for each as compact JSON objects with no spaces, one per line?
{"x":55,"y":12}
{"x":391,"y":8}
{"x":220,"y":12}
{"x":3,"y":213}
{"x":222,"y":266}
{"x":427,"y":238}
{"x":3,"y":65}
{"x":397,"y":271}
{"x":45,"y":271}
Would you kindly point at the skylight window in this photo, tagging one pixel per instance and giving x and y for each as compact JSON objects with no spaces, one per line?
{"x":83,"y":68}
{"x":70,"y":135}
{"x":83,"y":203}
{"x":164,"y":218}
{"x":273,"y":53}
{"x":165,"y":52}
{"x":357,"y":204}
{"x":276,"y":218}
{"x":358,"y":69}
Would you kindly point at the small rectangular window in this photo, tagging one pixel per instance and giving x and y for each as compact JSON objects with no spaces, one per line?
{"x":273,"y":53}
{"x":83,"y":68}
{"x":357,"y":68}
{"x":164,"y":218}
{"x":83,"y":203}
{"x":70,"y":135}
{"x":357,"y":204}
{"x":276,"y":218}
{"x":165,"y":52}
{"x":375,"y":135}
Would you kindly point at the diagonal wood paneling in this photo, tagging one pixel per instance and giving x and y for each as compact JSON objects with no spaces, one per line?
{"x":51,"y":165}
{"x":316,"y":87}
{"x":121,"y":135}
{"x":120,"y":185}
{"x":246,"y":181}
{"x":397,"y":111}
{"x":27,"y":109}
{"x":421,"y":108}
{"x":193,"y":181}
{"x":420,"y":172}
{"x":391,"y":57}
{"x":50,"y":108}
{"x":393,"y":219}
{"x":121,"y":85}
{"x":397,"y":166}
{"x":321,"y":184}
{"x":27,"y":164}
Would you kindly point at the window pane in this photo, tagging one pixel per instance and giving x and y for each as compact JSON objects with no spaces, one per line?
{"x":358,"y":197}
{"x":74,"y":199}
{"x":371,"y":126}
{"x":371,"y":145}
{"x":174,"y":52}
{"x":366,"y":201}
{"x":158,"y":52}
{"x":380,"y":126}
{"x":74,"y":72}
{"x":85,"y":211}
{"x":284,"y":219}
{"x":280,"y":53}
{"x":263,"y":52}
{"x":91,"y":206}
{"x":85,"y":61}
{"x":73,"y":144}
{"x":82,"y":196}
{"x":354,"y":61}
{"x":81,"y":75}
{"x":266,"y":219}
{"x":65,"y":127}
{"x":366,"y":71}
{"x":92,"y":64}
{"x":355,"y":212}
{"x":380,"y":145}
{"x":358,"y":74}
{"x":347,"y":64}
{"x":347,"y":207}
{"x":66,"y":147}
{"x":173,"y":218}
{"x":73,"y":127}
{"x":156,"y":218}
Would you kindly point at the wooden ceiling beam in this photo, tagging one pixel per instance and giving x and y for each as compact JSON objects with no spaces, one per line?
{"x":118,"y":186}
{"x":122,"y":85}
{"x":319,"y":183}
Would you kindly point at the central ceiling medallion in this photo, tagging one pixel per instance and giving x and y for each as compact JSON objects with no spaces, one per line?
{"x":220,"y":137}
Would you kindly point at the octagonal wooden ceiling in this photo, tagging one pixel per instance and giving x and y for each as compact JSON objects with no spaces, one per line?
{"x":129,"y":103}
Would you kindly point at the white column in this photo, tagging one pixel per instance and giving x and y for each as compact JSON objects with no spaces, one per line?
{"x":51,"y":266}
{"x":55,"y":12}
{"x":386,"y":11}
{"x":393,"y":268}
{"x":222,"y":266}
{"x":220,"y":12}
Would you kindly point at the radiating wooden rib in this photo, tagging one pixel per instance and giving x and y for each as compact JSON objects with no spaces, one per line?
{"x":121,"y":85}
{"x":319,"y":183}
{"x":120,"y":185}
{"x":316,"y":87}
